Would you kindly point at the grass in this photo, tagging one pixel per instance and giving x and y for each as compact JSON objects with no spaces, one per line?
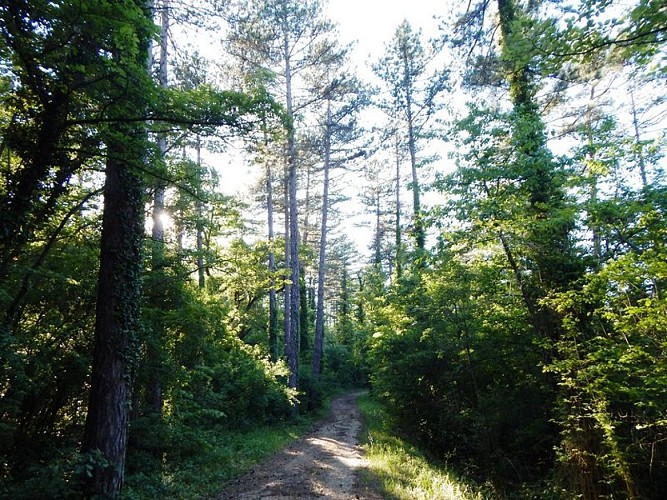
{"x":399,"y":470}
{"x":220,"y":456}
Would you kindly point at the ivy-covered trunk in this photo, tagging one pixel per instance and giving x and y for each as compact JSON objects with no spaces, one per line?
{"x":117,"y":314}
{"x":547,"y":223}
{"x":117,"y":323}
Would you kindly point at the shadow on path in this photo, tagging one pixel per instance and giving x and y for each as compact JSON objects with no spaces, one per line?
{"x":324,"y":464}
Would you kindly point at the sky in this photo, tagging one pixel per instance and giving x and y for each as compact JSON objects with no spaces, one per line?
{"x":370,"y":24}
{"x":373,"y":22}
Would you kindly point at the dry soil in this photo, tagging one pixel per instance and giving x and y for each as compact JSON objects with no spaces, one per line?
{"x":324,"y":464}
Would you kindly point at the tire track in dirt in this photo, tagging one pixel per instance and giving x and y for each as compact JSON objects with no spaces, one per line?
{"x":324,"y":464}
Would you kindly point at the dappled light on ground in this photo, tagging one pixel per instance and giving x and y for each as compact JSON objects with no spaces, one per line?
{"x":325,"y":464}
{"x":400,"y":470}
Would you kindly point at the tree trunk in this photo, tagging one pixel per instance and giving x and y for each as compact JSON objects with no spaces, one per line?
{"x":306,"y":209}
{"x":641,"y":160}
{"x":158,"y":197}
{"x":318,"y":347}
{"x":287,"y":289}
{"x":418,"y":222}
{"x":273,"y":312}
{"x":117,"y":321}
{"x":154,"y":396}
{"x":293,"y":348}
{"x":201,"y":271}
{"x":117,"y":313}
{"x":291,"y":305}
{"x":593,"y":182}
{"x":377,"y":244}
{"x":549,"y":254}
{"x":304,"y":314}
{"x":399,"y":242}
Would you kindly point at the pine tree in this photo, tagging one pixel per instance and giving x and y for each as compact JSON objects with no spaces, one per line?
{"x":413,"y":87}
{"x":284,"y":38}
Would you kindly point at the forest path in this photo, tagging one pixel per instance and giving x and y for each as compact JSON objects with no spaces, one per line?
{"x":323,"y":464}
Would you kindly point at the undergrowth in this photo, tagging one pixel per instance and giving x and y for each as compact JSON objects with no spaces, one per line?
{"x":223,"y":455}
{"x":399,"y":470}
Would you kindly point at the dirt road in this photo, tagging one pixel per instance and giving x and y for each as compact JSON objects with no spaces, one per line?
{"x":323,"y":464}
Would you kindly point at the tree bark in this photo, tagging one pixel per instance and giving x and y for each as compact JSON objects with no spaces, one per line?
{"x":399,"y":242}
{"x":273,"y":311}
{"x":201,"y":271}
{"x":287,"y":289}
{"x":154,"y":396}
{"x":117,"y":312}
{"x":418,"y":223}
{"x":641,"y":160}
{"x":158,"y":197}
{"x":292,"y":305}
{"x":377,"y":244}
{"x":318,"y":347}
{"x":117,"y":321}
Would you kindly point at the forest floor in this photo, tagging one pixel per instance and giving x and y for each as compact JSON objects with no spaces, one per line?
{"x":326,"y":463}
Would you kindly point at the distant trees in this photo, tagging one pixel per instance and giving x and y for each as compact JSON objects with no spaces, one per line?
{"x":343,"y":98}
{"x":288,"y":43}
{"x":413,"y":84}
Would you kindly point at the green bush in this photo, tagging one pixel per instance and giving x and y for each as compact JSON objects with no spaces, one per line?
{"x":462,"y":377}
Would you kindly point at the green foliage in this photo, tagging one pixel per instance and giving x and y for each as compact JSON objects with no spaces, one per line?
{"x":240,"y":390}
{"x":612,"y":369}
{"x":311,"y":391}
{"x":495,"y":351}
{"x":410,"y":78}
{"x":214,"y":387}
{"x":216,"y":456}
{"x":242,"y":277}
{"x":400,"y":469}
{"x":57,"y":476}
{"x":593,"y":30}
{"x":508,"y":185}
{"x":73,"y":83}
{"x":206,"y":109}
{"x":344,"y":364}
{"x":65,"y":86}
{"x":45,"y":358}
{"x":214,"y":378}
{"x":455,"y":361}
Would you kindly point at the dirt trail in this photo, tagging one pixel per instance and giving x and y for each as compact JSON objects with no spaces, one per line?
{"x":323,"y":464}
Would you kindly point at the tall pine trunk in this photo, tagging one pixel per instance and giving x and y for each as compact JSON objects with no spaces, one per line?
{"x":201,"y":270}
{"x":155,"y":343}
{"x":398,"y":234}
{"x":273,"y":311}
{"x":418,"y":222}
{"x":292,"y":247}
{"x":318,"y":347}
{"x":117,"y":312}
